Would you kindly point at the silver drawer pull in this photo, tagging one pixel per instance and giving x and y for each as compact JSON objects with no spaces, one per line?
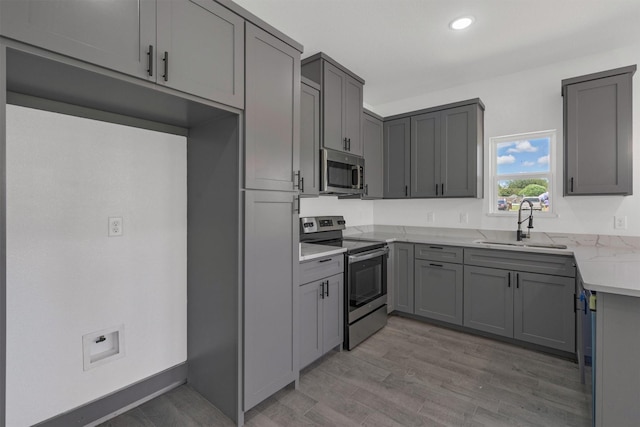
{"x":325,"y":260}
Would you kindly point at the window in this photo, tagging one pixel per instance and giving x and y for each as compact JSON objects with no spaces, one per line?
{"x":521,"y":172}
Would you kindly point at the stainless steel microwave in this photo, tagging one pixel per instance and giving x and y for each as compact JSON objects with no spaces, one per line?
{"x":341,"y":173}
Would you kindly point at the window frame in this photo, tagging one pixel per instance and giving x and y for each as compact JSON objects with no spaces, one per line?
{"x":494,"y":178}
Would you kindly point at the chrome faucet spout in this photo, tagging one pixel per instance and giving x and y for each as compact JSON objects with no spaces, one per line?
{"x":519,"y":234}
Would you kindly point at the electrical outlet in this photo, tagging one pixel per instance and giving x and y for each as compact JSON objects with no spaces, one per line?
{"x":464,"y":218}
{"x":115,"y":226}
{"x":620,"y":222}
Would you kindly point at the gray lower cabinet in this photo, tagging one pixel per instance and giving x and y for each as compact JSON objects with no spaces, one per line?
{"x":270,"y":294}
{"x":403,"y":284}
{"x":372,"y":137}
{"x":438,"y":291}
{"x":598,"y":133}
{"x":321,"y":317}
{"x":488,"y":300}
{"x":309,"y":138}
{"x":397,"y":158}
{"x":272,"y":140}
{"x":543,"y":310}
{"x":147,"y":39}
{"x":531,"y":307}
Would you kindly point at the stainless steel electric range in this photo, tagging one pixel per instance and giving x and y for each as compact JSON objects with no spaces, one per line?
{"x":365,"y":276}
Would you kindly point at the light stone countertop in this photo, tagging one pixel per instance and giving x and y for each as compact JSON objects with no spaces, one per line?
{"x":310,"y":251}
{"x":609,"y":264}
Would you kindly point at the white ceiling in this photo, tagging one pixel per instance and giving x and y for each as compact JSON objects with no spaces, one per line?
{"x":403,"y":48}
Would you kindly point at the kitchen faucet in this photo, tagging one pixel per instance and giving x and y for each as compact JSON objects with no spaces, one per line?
{"x":519,"y":233}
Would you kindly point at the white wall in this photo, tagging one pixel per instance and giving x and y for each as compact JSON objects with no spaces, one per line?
{"x":517,"y":103}
{"x":66,"y":278}
{"x":356,"y":212}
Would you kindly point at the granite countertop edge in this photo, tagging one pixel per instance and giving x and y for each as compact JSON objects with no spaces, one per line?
{"x":609,"y":264}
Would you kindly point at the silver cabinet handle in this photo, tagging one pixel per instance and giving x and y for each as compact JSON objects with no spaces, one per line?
{"x":327,"y":289}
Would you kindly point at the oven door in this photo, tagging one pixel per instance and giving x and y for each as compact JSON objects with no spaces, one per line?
{"x":366,"y":282}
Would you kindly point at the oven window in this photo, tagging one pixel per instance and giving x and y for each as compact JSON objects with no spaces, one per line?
{"x":366,"y":282}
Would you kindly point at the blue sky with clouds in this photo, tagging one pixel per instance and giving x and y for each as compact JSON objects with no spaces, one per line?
{"x":525,"y":156}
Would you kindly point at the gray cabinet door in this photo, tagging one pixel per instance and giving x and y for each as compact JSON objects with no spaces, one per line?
{"x":310,"y":321}
{"x":85,"y":30}
{"x":353,"y":115}
{"x":598,"y":136}
{"x":438,"y":291}
{"x":309,"y":141}
{"x":270,"y":326}
{"x":333,"y":312}
{"x":403,"y":281}
{"x":372,"y":136}
{"x":272,"y":112}
{"x":397,"y":155}
{"x":333,"y":86}
{"x":544,"y":310}
{"x":458,"y":152}
{"x":425,"y":155}
{"x":488,"y":300}
{"x":203,"y":43}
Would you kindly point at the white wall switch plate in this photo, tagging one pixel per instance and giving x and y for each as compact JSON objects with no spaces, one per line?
{"x":464,"y":218}
{"x":115,"y":226}
{"x":431,"y":217}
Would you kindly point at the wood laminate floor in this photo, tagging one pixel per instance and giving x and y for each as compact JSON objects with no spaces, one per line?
{"x":408,"y":374}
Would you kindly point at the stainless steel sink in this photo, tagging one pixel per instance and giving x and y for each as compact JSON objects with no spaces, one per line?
{"x":524,"y":244}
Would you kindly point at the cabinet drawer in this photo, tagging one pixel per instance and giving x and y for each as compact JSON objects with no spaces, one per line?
{"x":557,"y":265}
{"x":320,"y":268}
{"x":439,"y":253}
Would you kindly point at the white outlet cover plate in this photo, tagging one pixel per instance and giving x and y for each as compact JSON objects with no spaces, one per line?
{"x":115,"y":226}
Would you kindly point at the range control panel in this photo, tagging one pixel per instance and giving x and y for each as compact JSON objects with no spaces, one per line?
{"x":317,"y":224}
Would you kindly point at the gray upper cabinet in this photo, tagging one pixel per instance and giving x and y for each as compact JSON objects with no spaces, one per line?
{"x":309,"y":138}
{"x":195,"y":46}
{"x":272,"y":140}
{"x":200,"y":50}
{"x":342,"y":97}
{"x":403,"y":291}
{"x":270,"y":297}
{"x":114,"y":35}
{"x":598,"y":133}
{"x":461,"y":143}
{"x":445,"y":154}
{"x":397,"y":155}
{"x":425,"y":155}
{"x":372,"y":137}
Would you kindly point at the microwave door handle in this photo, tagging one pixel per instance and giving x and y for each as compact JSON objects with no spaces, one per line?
{"x":356,"y":169}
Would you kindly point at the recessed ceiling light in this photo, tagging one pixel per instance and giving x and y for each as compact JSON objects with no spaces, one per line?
{"x":461,"y":23}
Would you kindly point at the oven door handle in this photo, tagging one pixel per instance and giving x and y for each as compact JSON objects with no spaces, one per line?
{"x":368,"y":255}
